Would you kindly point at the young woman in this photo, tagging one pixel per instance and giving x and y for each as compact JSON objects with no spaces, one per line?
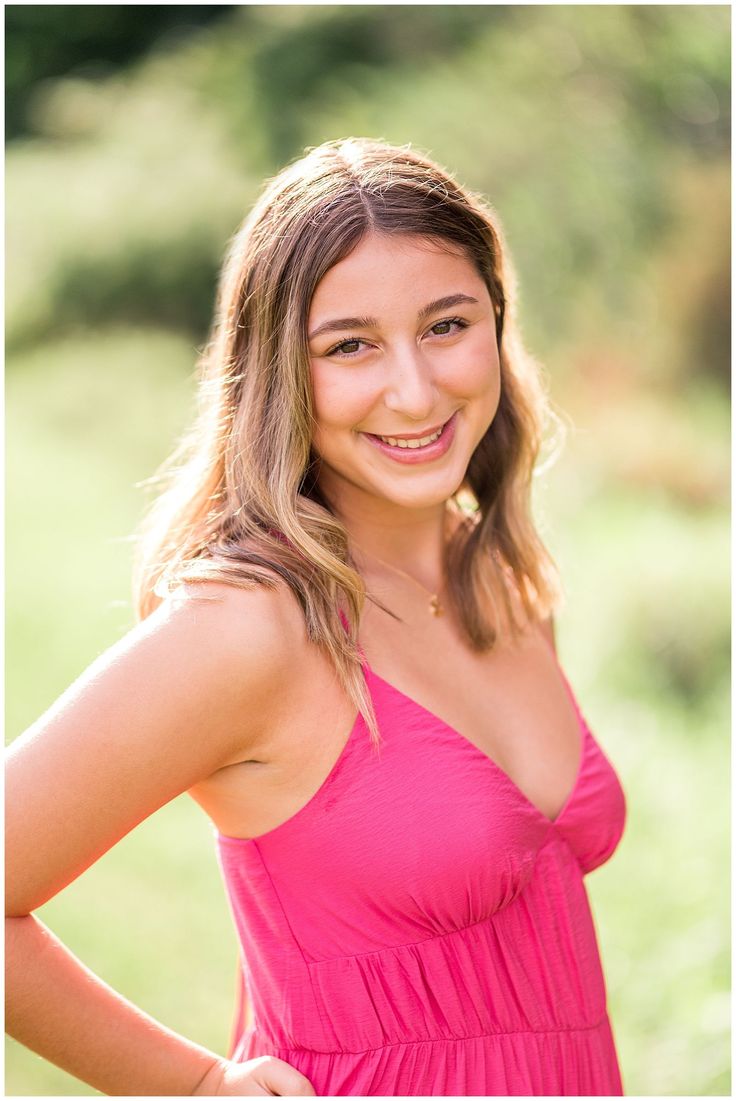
{"x":346,"y":657}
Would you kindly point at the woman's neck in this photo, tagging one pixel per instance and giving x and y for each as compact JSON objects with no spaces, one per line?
{"x":410,"y":540}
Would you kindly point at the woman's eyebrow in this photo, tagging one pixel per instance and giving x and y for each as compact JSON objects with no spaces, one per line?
{"x":445,"y":303}
{"x":341,"y":323}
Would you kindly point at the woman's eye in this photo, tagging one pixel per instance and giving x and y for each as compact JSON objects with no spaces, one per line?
{"x":449,"y":325}
{"x":345,"y":348}
{"x":349,"y":349}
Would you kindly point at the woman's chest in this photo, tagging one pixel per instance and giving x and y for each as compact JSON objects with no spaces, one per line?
{"x":425,"y":838}
{"x":511,"y":707}
{"x":462,"y":793}
{"x":513,"y":704}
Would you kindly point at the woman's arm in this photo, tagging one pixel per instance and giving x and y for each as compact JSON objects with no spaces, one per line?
{"x":62,"y":1011}
{"x":172,"y":702}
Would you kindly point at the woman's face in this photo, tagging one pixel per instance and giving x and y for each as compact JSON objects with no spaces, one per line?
{"x":402,"y":342}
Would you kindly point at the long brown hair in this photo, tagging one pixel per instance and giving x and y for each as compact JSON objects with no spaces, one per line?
{"x":241,"y":492}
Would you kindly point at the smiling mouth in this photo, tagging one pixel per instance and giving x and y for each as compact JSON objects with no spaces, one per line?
{"x":414,"y":439}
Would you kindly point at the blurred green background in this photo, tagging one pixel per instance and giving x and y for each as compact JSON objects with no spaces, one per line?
{"x":138,"y":137}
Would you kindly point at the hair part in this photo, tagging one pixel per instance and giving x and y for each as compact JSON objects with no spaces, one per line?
{"x":241,"y":500}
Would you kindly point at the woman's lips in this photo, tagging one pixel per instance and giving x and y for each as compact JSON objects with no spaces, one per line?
{"x":434,"y":450}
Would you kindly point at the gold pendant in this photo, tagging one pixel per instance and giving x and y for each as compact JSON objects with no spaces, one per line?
{"x":434,"y":606}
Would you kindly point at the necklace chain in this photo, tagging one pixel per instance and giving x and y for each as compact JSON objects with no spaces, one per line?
{"x":435,"y":607}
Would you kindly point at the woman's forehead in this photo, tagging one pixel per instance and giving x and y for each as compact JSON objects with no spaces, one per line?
{"x":381,"y":267}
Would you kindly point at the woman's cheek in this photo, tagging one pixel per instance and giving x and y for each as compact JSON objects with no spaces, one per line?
{"x":339,"y":402}
{"x":473,"y":367}
{"x":474,"y":376}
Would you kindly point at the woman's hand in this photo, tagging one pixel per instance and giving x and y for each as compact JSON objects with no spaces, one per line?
{"x":264,"y":1075}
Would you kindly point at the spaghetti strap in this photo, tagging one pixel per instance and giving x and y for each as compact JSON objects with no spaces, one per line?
{"x":346,"y":625}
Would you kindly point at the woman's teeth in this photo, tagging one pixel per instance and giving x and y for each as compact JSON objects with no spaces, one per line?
{"x":412,"y":443}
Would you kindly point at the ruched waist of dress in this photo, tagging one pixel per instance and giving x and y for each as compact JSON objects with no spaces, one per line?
{"x":532,"y":967}
{"x":552,"y":1062}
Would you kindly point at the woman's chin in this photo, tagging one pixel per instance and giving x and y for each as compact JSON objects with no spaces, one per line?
{"x":409,"y":488}
{"x":416,"y":497}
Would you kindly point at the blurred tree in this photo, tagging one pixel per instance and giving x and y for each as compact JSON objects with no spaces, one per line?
{"x":306,"y":53}
{"x":682,"y":95}
{"x":51,"y":40}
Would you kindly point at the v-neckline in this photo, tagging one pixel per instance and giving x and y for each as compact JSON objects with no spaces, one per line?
{"x":583,"y":732}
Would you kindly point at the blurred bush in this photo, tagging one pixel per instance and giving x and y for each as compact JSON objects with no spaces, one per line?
{"x":43,"y":41}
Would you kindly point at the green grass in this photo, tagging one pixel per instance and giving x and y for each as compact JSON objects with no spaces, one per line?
{"x":644,"y":639}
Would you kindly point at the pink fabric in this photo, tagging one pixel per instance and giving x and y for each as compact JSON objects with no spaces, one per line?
{"x":420,"y":928}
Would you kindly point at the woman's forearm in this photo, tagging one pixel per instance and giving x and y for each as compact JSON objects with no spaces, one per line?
{"x":58,"y":1008}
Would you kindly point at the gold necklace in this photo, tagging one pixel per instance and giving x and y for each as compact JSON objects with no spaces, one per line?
{"x":435,"y":608}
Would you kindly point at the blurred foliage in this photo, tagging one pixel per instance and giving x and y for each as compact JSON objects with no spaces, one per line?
{"x":601,"y":130}
{"x":600,"y":134}
{"x":43,"y":41}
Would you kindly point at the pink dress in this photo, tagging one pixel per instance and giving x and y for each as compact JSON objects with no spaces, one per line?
{"x":419,"y":927}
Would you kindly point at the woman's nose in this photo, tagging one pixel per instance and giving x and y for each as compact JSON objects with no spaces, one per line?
{"x":410,"y":389}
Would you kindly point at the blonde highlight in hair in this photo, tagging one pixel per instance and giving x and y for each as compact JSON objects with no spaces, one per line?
{"x":241,"y":498}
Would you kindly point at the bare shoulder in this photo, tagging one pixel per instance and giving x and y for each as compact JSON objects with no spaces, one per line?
{"x":236,"y":647}
{"x":156,"y":713}
{"x":260,"y":625}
